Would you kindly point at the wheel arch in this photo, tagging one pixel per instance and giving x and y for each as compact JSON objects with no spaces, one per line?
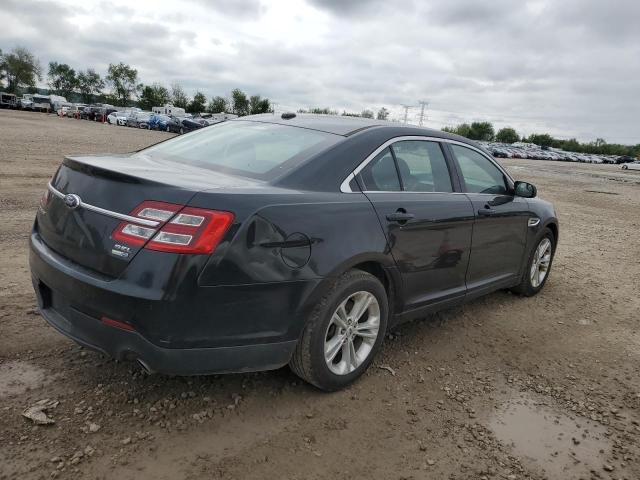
{"x":553,"y":226}
{"x":379,"y":265}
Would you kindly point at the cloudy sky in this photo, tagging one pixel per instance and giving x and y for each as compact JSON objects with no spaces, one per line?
{"x":570,"y":67}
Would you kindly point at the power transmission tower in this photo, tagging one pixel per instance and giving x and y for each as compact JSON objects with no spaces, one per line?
{"x":406,"y":111}
{"x":422,"y":104}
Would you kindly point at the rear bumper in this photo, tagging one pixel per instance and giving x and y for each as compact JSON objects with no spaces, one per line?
{"x":186,"y":330}
{"x":123,"y":345}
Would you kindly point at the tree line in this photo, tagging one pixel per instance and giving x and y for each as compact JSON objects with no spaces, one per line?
{"x":20,"y":71}
{"x":484,"y":131}
{"x":383,"y":113}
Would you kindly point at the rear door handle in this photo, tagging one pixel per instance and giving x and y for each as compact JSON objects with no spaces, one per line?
{"x":400,"y":217}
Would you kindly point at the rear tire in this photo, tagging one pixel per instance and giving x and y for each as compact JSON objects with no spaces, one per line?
{"x":535,"y":276}
{"x":345,"y":331}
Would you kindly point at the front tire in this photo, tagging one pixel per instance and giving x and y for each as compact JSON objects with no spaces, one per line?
{"x":538,"y":265}
{"x":344,"y":333}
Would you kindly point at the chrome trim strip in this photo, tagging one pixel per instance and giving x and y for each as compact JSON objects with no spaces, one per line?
{"x":108,"y":213}
{"x":344,"y":186}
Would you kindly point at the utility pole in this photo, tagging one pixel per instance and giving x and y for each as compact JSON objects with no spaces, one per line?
{"x":406,"y":111}
{"x":422,"y":104}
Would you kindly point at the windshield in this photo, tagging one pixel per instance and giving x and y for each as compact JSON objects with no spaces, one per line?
{"x":253,"y":149}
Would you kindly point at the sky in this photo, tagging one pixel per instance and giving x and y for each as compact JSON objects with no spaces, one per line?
{"x":566,"y":67}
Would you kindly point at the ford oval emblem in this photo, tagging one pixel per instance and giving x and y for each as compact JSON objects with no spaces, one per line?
{"x":72,"y":201}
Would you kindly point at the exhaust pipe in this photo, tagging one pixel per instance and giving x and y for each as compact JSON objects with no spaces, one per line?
{"x":144,"y":366}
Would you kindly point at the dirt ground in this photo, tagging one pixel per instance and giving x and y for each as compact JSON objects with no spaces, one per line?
{"x":504,"y":387}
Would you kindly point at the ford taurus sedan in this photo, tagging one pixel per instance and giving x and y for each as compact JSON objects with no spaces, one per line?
{"x":268,"y":240}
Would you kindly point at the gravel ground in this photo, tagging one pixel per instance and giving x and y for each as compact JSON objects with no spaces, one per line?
{"x":504,"y":387}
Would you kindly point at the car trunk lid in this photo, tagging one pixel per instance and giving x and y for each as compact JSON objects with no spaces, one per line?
{"x":107,"y":188}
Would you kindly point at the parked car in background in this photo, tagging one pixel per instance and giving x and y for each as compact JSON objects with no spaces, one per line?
{"x":63,"y":108}
{"x":8,"y":100}
{"x":26,"y":102}
{"x":112,"y":118}
{"x":101,"y":113}
{"x":139,"y":119}
{"x":75,"y":110}
{"x":41,"y":103}
{"x":173,"y":125}
{"x":117,"y":118}
{"x":190,"y":124}
{"x":158,"y":121}
{"x":625,"y":159}
{"x":88,"y":112}
{"x":268,"y":241}
{"x":635,"y":165}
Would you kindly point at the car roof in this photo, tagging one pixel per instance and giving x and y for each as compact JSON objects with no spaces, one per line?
{"x":336,"y":124}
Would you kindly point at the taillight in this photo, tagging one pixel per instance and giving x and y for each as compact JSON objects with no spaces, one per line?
{"x":179,"y":230}
{"x":44,"y":200}
{"x":193,"y":230}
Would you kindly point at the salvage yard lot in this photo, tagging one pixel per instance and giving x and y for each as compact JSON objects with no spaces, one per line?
{"x":504,"y":387}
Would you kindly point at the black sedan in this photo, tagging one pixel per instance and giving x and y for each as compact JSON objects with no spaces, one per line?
{"x":268,"y":241}
{"x":189,"y":125}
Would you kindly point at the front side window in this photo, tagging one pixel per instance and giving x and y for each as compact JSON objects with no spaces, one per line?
{"x":252,"y":149}
{"x":380,"y":174}
{"x":479,"y":173}
{"x":422,"y":166}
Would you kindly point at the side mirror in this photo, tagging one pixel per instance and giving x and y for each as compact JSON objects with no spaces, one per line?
{"x":525,"y":189}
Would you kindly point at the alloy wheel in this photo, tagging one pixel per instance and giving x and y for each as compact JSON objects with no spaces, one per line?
{"x":541,"y":262}
{"x":352,"y":333}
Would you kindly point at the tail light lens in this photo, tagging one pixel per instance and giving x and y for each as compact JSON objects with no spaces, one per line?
{"x":46,"y":197}
{"x":180,"y":229}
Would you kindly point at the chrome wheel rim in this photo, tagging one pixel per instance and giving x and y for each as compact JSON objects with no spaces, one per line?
{"x":352,"y":333}
{"x":541,"y":262}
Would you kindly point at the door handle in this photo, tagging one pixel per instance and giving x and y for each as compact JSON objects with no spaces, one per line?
{"x":487,"y":211}
{"x":400,"y":216}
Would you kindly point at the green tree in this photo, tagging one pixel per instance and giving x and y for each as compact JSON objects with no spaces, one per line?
{"x":3,"y":74}
{"x":482,"y":131}
{"x":198,"y":104}
{"x":239,"y":102}
{"x":90,"y":85}
{"x":319,"y":111}
{"x":541,"y":139}
{"x":21,"y":69}
{"x":123,"y":80}
{"x":178,"y":97}
{"x":155,"y":95}
{"x":366,"y":114}
{"x":383,"y":114}
{"x":258,"y":104}
{"x":217,"y":104}
{"x":349,"y":114}
{"x":464,"y":130}
{"x":507,"y":135}
{"x":62,"y":79}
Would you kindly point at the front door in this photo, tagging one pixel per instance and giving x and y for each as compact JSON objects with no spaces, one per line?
{"x":500,"y":229}
{"x":428,"y":227}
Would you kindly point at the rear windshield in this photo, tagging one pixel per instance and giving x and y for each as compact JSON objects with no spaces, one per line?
{"x":252,"y":149}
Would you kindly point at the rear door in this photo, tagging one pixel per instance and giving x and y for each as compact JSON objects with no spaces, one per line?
{"x":499,"y":233}
{"x":428,"y":225}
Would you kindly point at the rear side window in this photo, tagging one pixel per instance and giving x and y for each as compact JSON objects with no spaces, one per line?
{"x":380,"y":174}
{"x":479,"y":173}
{"x":252,"y":149}
{"x":422,"y":166}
